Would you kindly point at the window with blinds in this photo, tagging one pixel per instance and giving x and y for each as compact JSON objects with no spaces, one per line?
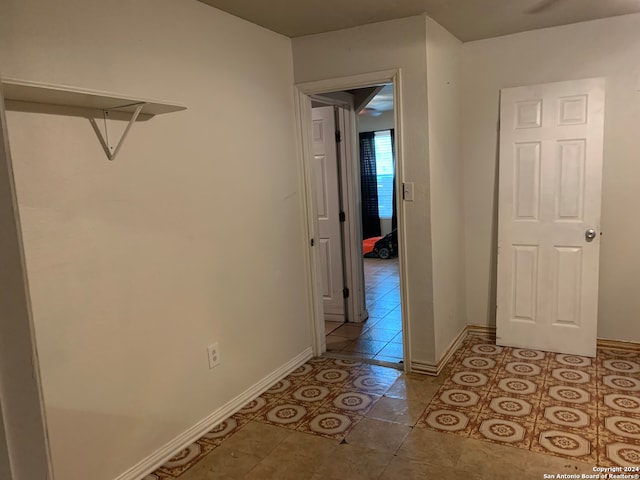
{"x":384,"y":172}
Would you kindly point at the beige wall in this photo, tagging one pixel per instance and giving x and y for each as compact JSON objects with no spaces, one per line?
{"x":367,"y":123}
{"x":376,"y":47}
{"x":447,"y":220}
{"x":192,"y":235}
{"x":609,"y":48}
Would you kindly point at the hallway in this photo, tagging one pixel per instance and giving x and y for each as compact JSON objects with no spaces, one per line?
{"x":380,"y":337}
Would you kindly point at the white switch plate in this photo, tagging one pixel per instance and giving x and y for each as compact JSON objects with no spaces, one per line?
{"x":407,"y":192}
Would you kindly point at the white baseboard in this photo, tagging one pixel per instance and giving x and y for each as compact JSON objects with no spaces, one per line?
{"x":435,"y":368}
{"x":160,"y":456}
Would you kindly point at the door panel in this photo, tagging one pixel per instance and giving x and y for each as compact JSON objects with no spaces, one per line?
{"x":328,"y":211}
{"x":551,"y":139}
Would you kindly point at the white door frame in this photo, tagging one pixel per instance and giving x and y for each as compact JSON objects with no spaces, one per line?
{"x":24,"y":444}
{"x":303,"y":94}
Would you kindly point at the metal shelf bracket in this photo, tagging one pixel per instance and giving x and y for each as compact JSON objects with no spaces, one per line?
{"x":112,"y":150}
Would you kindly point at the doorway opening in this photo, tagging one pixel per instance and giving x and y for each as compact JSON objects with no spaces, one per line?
{"x":366,"y":266}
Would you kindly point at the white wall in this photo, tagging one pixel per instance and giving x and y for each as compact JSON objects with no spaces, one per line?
{"x":609,"y":48}
{"x":376,"y":47}
{"x":447,"y":220}
{"x":193,"y":234}
{"x":368,"y":123}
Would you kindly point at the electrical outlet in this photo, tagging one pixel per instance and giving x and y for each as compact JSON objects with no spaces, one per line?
{"x":214,"y":355}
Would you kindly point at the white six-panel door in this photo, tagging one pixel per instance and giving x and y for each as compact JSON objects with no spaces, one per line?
{"x":551,"y":140}
{"x":328,"y":210}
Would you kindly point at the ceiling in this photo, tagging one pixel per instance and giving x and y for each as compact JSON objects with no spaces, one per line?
{"x":383,"y":101}
{"x":466,"y":19}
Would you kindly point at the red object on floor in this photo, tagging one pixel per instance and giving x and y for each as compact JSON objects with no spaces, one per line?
{"x":368,"y":244}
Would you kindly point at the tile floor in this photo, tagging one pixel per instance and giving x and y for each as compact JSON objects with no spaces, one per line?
{"x":339,"y":419}
{"x":564,"y":405}
{"x":380,"y":337}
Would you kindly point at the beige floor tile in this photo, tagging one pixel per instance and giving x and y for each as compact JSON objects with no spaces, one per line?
{"x":540,"y":464}
{"x":353,"y":463}
{"x":334,"y":342}
{"x":362,"y":345}
{"x":488,"y":457}
{"x":433,"y":447}
{"x":257,"y":438}
{"x":350,"y":330}
{"x":399,"y":410}
{"x":379,"y":334}
{"x":413,"y":387}
{"x":224,"y":463}
{"x":378,"y":435}
{"x":295,"y":458}
{"x":392,"y":361}
{"x":331,"y":326}
{"x":392,"y":350}
{"x":407,"y":469}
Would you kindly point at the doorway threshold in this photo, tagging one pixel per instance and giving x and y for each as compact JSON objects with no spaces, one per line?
{"x":371,"y":361}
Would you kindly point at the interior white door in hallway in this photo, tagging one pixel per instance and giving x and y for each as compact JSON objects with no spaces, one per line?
{"x":551,"y":141}
{"x":325,"y":160}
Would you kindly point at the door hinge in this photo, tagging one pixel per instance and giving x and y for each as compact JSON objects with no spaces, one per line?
{"x":312,"y":242}
{"x":342,"y":217}
{"x":338,"y":136}
{"x":345,"y":293}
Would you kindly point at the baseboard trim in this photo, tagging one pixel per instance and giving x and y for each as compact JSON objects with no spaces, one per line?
{"x":481,"y":331}
{"x":619,"y":345}
{"x":487,"y":331}
{"x":160,"y":456}
{"x":435,"y":369}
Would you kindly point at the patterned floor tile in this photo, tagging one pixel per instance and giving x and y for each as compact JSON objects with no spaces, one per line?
{"x":185,"y":459}
{"x":330,"y":423}
{"x":523,"y":369}
{"x":576,"y":444}
{"x":489,"y":349}
{"x":468,"y":379}
{"x":527,"y":355}
{"x":565,"y":406}
{"x":256,"y":406}
{"x":509,"y":385}
{"x":480,"y":363}
{"x":521,"y":408}
{"x":224,"y":430}
{"x":562,"y":394}
{"x":332,"y":375}
{"x":369,"y":382}
{"x":494,"y":429}
{"x":519,"y":384}
{"x":616,"y":426}
{"x":613,"y":453}
{"x":570,"y":376}
{"x":619,"y":383}
{"x":286,"y":414}
{"x":621,"y":402}
{"x":314,"y":394}
{"x":302,"y":371}
{"x":448,"y":420}
{"x":351,"y":401}
{"x":472,"y":400}
{"x":568,"y":416}
{"x":284,"y":386}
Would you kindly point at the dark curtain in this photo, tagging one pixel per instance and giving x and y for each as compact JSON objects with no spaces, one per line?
{"x":369,"y":187}
{"x":394,"y":214}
